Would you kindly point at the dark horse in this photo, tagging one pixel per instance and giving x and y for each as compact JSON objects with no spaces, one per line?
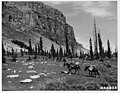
{"x":92,"y":69}
{"x":72,"y":66}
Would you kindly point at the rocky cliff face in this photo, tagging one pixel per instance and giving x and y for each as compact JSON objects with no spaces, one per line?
{"x":34,"y":19}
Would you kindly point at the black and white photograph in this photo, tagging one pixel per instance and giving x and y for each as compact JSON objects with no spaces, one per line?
{"x":59,"y":45}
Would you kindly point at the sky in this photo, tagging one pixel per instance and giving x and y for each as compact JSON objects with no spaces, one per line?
{"x":80,"y":15}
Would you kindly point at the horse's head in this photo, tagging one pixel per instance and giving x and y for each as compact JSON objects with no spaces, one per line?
{"x":86,"y":67}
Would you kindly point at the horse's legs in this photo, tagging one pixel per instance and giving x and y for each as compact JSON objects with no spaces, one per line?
{"x":89,"y":73}
{"x":69,"y":71}
{"x":95,"y":74}
{"x":75,"y":71}
{"x":78,"y":71}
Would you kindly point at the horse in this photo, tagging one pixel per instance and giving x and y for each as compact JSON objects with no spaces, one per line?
{"x":72,"y":66}
{"x":91,"y":69}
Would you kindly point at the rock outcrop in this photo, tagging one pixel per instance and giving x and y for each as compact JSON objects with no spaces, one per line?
{"x":24,"y":20}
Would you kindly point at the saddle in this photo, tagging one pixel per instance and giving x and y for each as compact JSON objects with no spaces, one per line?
{"x":91,"y":68}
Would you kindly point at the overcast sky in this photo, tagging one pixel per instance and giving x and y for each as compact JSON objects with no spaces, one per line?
{"x":80,"y":15}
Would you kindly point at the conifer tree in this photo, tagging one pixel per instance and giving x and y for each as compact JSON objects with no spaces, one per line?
{"x":70,"y":54}
{"x":14,"y":55}
{"x":91,"y":51}
{"x":41,"y":46}
{"x":53,"y":51}
{"x":36,"y":49}
{"x":3,"y":54}
{"x":57,"y":54}
{"x":49,"y":54}
{"x":100,"y":46}
{"x":30,"y":51}
{"x":83,"y":56}
{"x":103,"y":51}
{"x":72,"y":48}
{"x":66,"y":41}
{"x":35,"y":52}
{"x":116,"y":51}
{"x":64,"y":53}
{"x":21,"y":52}
{"x":96,"y":56}
{"x":39,"y":49}
{"x":108,"y":51}
{"x":61,"y":53}
{"x":3,"y":50}
{"x":12,"y":52}
{"x":80,"y":55}
{"x":116,"y":54}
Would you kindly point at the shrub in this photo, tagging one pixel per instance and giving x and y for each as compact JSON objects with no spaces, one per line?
{"x":104,"y":84}
{"x":53,"y":86}
{"x":77,"y":87}
{"x":59,"y":85}
{"x":92,"y":86}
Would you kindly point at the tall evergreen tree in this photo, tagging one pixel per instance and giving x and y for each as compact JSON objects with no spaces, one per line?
{"x":72,"y":48}
{"x":61,"y":53}
{"x":100,"y":46}
{"x":3,"y":50}
{"x":35,"y":52}
{"x":30,"y":51}
{"x":53,"y":51}
{"x":116,"y":51}
{"x":64,"y":54}
{"x":70,"y":54}
{"x":57,"y":54}
{"x":41,"y":46}
{"x":3,"y":54}
{"x":108,"y":51}
{"x":91,"y":50}
{"x":49,"y":54}
{"x":39,"y":49}
{"x":66,"y":41}
{"x":80,"y":55}
{"x":36,"y":49}
{"x":21,"y":52}
{"x":95,"y":42}
{"x":103,"y":51}
{"x":83,"y":56}
{"x":16,"y":52}
{"x":12,"y":52}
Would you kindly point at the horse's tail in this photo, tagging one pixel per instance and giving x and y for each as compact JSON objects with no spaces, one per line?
{"x":98,"y":72}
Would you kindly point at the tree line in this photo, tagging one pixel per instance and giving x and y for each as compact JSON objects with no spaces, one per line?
{"x":102,"y":53}
{"x":37,"y":49}
{"x":59,"y":54}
